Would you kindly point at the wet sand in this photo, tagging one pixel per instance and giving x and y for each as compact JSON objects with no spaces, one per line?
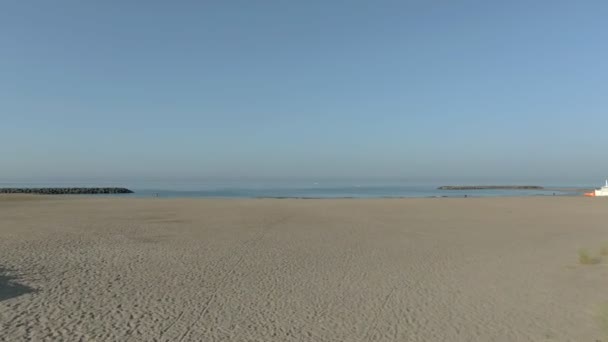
{"x":112,"y":269}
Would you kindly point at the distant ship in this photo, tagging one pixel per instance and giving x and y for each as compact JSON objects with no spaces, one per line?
{"x":601,"y":192}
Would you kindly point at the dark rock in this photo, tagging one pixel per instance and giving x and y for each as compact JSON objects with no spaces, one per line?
{"x":65,"y":191}
{"x":491,"y":187}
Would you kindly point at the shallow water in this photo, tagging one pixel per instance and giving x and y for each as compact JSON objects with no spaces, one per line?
{"x":298,"y":189}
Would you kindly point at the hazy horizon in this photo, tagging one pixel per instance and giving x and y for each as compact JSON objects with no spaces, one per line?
{"x":467,"y":92}
{"x":201,"y":183}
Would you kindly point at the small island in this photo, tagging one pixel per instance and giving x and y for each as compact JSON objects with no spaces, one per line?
{"x":65,"y":191}
{"x":490,"y":187}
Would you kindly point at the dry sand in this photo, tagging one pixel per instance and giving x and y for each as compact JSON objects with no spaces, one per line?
{"x":110,"y":269}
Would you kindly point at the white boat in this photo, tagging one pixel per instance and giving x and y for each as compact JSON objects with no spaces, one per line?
{"x":601,"y":192}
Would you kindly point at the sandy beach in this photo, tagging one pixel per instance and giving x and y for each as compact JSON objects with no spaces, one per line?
{"x":117,"y":269}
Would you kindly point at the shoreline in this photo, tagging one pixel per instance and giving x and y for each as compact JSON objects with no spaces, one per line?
{"x":172,"y":197}
{"x":321,"y":192}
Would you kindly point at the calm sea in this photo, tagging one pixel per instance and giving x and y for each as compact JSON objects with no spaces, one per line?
{"x":300,"y":189}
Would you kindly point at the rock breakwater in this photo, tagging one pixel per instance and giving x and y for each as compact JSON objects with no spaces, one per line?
{"x":65,"y":191}
{"x":491,"y":187}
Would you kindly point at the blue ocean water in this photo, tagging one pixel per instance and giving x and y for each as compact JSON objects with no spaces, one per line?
{"x":297,"y":189}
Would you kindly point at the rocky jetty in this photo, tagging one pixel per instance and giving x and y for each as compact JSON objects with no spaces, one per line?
{"x":65,"y":191}
{"x":491,"y":187}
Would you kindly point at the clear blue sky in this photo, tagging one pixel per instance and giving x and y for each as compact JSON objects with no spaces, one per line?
{"x":114,"y":90}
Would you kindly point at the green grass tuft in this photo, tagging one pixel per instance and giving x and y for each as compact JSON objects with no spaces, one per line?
{"x":585,"y":259}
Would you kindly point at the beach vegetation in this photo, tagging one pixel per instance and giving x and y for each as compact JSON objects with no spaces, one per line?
{"x":584,"y":258}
